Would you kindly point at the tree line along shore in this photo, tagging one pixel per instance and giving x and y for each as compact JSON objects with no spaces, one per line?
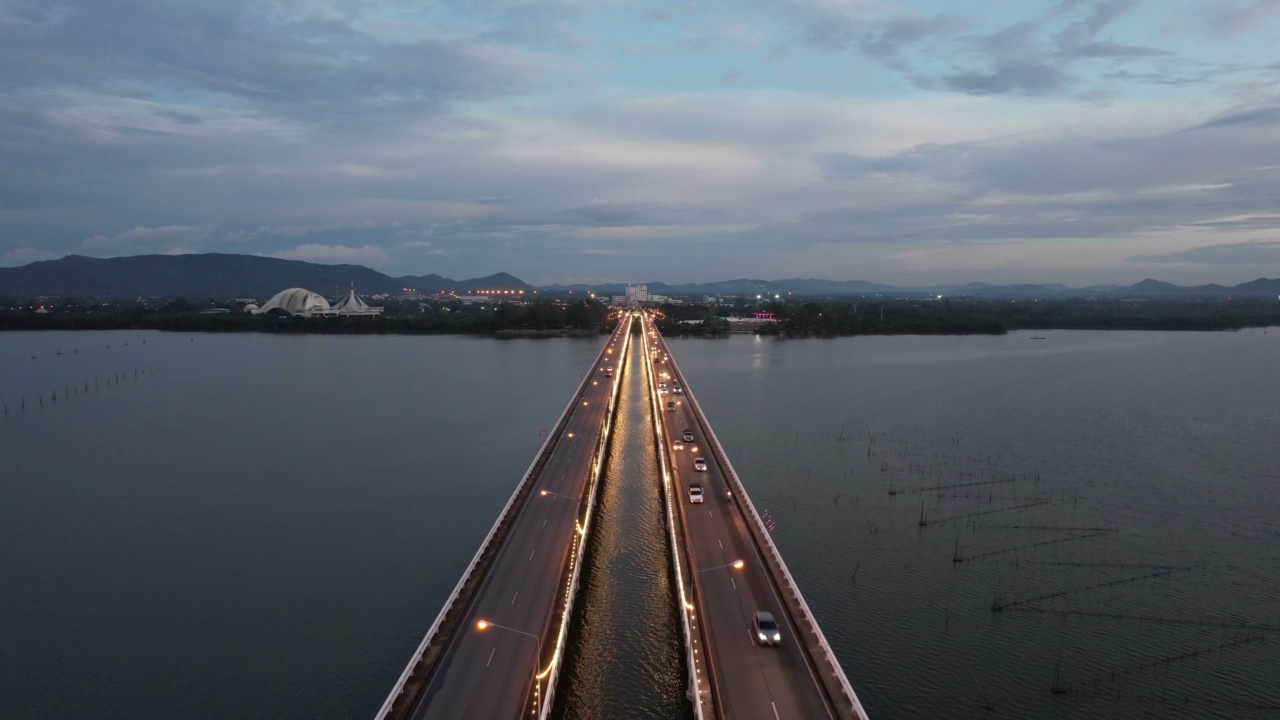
{"x":806,"y":318}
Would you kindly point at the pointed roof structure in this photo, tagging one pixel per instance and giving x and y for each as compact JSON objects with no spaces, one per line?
{"x":353,"y":305}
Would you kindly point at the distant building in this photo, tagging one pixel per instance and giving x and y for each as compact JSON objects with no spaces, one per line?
{"x":297,"y":301}
{"x":637,"y":294}
{"x":304,"y":303}
{"x":353,"y":305}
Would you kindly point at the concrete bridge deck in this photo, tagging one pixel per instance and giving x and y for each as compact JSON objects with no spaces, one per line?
{"x":496,"y":647}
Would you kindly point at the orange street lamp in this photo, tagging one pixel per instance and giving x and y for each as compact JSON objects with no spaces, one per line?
{"x":736,"y":565}
{"x":483,"y":625}
{"x":545,"y":493}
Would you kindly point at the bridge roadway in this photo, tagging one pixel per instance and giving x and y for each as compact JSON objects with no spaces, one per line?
{"x":747,"y":681}
{"x":491,"y":673}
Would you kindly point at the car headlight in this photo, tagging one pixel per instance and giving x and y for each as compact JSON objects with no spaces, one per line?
{"x":777,"y":637}
{"x":761,"y":636}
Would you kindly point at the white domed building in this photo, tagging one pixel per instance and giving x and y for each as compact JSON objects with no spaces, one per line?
{"x":297,"y":301}
{"x":302,"y":302}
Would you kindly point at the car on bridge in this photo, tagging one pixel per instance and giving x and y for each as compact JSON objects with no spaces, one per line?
{"x":687,"y":436}
{"x":677,"y":445}
{"x":700,"y":464}
{"x":671,"y":407}
{"x":766,"y":628}
{"x":695,"y":494}
{"x":677,"y":389}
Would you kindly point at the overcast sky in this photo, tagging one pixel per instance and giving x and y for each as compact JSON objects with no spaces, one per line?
{"x":897,"y":141}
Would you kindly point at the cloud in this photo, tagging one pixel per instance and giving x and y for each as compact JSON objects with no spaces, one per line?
{"x":288,"y":59}
{"x":472,"y":136}
{"x":166,"y":239}
{"x":1268,"y":116}
{"x":620,"y":213}
{"x":1252,"y":252}
{"x":25,"y":255}
{"x":364,"y":255}
{"x":900,"y":33}
{"x":1026,"y":57}
{"x":1021,"y":62}
{"x":1228,"y":19}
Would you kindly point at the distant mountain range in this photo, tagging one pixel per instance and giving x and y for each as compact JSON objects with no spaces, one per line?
{"x":1147,"y":289}
{"x":217,"y":275}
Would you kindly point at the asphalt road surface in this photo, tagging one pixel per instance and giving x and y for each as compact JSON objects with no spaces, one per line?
{"x":748,"y":680}
{"x":490,"y":673}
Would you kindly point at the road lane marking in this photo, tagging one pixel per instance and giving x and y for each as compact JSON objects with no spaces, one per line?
{"x":720,"y":543}
{"x":491,"y":652}
{"x":775,"y":710}
{"x":531,"y":552}
{"x":544,"y":522}
{"x":735,"y":585}
{"x":513,"y":597}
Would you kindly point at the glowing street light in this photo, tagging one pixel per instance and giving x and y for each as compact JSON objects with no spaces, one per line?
{"x":736,"y":565}
{"x":482,"y":625}
{"x":545,"y":493}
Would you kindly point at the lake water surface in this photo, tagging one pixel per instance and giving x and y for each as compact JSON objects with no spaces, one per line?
{"x":262,"y":526}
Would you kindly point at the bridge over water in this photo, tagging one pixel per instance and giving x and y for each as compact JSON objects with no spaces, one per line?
{"x":497,"y":647}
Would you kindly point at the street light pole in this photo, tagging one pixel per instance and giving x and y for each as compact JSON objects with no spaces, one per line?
{"x":483,"y":625}
{"x":736,"y":565}
{"x":545,"y":493}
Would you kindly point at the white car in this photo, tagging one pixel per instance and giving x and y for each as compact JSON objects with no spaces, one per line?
{"x":765,"y":629}
{"x":695,"y":494}
{"x":700,"y":464}
{"x":662,"y":386}
{"x":677,"y":390}
{"x":677,"y":445}
{"x":687,"y":436}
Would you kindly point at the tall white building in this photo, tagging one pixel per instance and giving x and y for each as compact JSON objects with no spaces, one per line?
{"x":637,"y":294}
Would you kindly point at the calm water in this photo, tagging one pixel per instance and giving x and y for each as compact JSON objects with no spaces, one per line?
{"x":264,"y":526}
{"x":625,"y":661}
{"x":1169,"y":438}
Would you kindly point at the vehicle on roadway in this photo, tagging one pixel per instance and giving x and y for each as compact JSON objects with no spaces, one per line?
{"x":700,"y":464}
{"x":695,"y":494}
{"x":765,"y":628}
{"x":662,"y":386}
{"x":677,"y":389}
{"x":677,"y":445}
{"x":687,"y":436}
{"x":671,"y":407}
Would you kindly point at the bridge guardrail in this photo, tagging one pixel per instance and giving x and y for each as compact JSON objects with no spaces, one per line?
{"x":677,"y":547}
{"x":578,"y":550}
{"x":479,"y":561}
{"x":828,"y":667}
